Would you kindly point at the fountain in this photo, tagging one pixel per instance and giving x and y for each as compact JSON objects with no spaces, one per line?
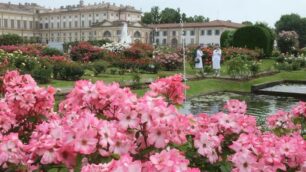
{"x":125,"y":37}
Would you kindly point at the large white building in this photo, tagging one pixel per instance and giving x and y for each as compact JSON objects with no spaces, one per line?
{"x":193,"y":33}
{"x":101,"y":21}
{"x":72,"y":23}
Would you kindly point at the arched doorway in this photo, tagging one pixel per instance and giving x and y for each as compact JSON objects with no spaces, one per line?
{"x":107,"y":34}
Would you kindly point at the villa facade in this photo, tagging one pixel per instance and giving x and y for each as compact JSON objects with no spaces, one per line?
{"x":207,"y":33}
{"x":101,"y":21}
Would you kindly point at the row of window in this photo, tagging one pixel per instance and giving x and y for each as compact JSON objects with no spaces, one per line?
{"x":137,"y":34}
{"x":191,"y":32}
{"x":16,"y":24}
{"x":77,"y":16}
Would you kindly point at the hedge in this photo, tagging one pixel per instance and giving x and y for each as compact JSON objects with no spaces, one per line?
{"x":226,"y":39}
{"x":254,"y":37}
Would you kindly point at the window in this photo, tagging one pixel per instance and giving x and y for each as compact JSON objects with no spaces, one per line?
{"x":75,"y":23}
{"x":31,"y":25}
{"x":70,"y":24}
{"x":89,"y":22}
{"x":46,"y":26}
{"x":12,"y":23}
{"x":97,"y":15}
{"x":157,"y":33}
{"x":173,"y":33}
{"x":118,"y":32}
{"x":184,"y":33}
{"x":217,"y":32}
{"x":164,"y":41}
{"x":192,"y":41}
{"x":52,"y":26}
{"x":157,"y":41}
{"x":5,"y":23}
{"x":165,"y":33}
{"x":209,"y":32}
{"x":25,"y":26}
{"x":202,"y":32}
{"x":192,"y":33}
{"x":0,"y":23}
{"x":83,"y":24}
{"x":18,"y":24}
{"x":64,"y":24}
{"x":58,"y":25}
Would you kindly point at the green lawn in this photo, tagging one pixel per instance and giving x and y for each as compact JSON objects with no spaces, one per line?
{"x":200,"y":86}
{"x":212,"y":85}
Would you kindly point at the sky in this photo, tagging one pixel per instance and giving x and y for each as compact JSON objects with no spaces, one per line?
{"x":268,"y":11}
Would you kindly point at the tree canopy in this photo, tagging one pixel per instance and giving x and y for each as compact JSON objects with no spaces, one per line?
{"x":169,"y":15}
{"x":293,"y":22}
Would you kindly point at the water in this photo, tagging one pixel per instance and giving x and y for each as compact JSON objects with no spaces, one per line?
{"x":258,"y":105}
{"x":125,"y":37}
{"x":287,"y":88}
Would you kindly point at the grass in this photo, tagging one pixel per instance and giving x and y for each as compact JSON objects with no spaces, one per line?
{"x":200,"y":86}
{"x":212,"y":85}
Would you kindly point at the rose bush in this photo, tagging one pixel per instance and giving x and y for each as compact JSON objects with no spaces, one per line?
{"x":102,"y":127}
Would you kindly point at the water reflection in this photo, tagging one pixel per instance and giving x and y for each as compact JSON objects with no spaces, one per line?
{"x":258,"y":105}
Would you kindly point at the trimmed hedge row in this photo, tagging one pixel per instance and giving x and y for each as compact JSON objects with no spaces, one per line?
{"x":254,"y":37}
{"x":226,"y":39}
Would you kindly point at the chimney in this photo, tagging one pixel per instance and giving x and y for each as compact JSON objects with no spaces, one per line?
{"x":81,"y":3}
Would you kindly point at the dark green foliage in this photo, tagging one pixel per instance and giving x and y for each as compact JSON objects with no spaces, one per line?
{"x":226,"y":39}
{"x":293,"y":22}
{"x":10,"y":39}
{"x":42,"y":73}
{"x":51,"y":52}
{"x":169,"y":15}
{"x":98,"y":66}
{"x":68,"y":71}
{"x":253,"y":37}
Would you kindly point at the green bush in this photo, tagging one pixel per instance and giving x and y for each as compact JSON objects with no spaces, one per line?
{"x":242,"y":67}
{"x":253,"y":37}
{"x":68,"y":71}
{"x":24,"y":63}
{"x":51,"y":52}
{"x":226,"y":39}
{"x":10,"y":39}
{"x":98,"y":67}
{"x":42,"y":73}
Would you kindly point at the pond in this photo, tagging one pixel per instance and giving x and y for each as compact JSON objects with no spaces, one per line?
{"x":258,"y":105}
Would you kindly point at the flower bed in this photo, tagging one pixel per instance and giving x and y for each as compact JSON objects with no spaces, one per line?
{"x":102,"y":127}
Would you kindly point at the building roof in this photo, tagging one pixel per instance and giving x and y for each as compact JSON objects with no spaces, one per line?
{"x":27,"y":7}
{"x":214,"y":23}
{"x":95,"y":6}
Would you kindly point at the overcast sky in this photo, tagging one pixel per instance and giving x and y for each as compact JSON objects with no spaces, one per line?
{"x":268,"y":11}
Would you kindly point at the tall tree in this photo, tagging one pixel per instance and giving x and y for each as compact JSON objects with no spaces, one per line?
{"x":293,"y":22}
{"x":170,"y":15}
{"x":152,"y":17}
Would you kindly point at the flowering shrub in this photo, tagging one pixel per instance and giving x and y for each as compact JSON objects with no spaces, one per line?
{"x":170,"y":61}
{"x":84,"y":51}
{"x":288,"y":41}
{"x":290,"y":63}
{"x":30,"y":49}
{"x":227,"y":53}
{"x":242,"y":67}
{"x":138,"y":50}
{"x":102,"y":127}
{"x":143,"y":64}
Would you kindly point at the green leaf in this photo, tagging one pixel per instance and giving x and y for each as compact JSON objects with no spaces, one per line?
{"x":226,"y":167}
{"x":78,"y":163}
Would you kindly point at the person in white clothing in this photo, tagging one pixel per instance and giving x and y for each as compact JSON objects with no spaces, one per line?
{"x":216,"y":60}
{"x":198,"y":60}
